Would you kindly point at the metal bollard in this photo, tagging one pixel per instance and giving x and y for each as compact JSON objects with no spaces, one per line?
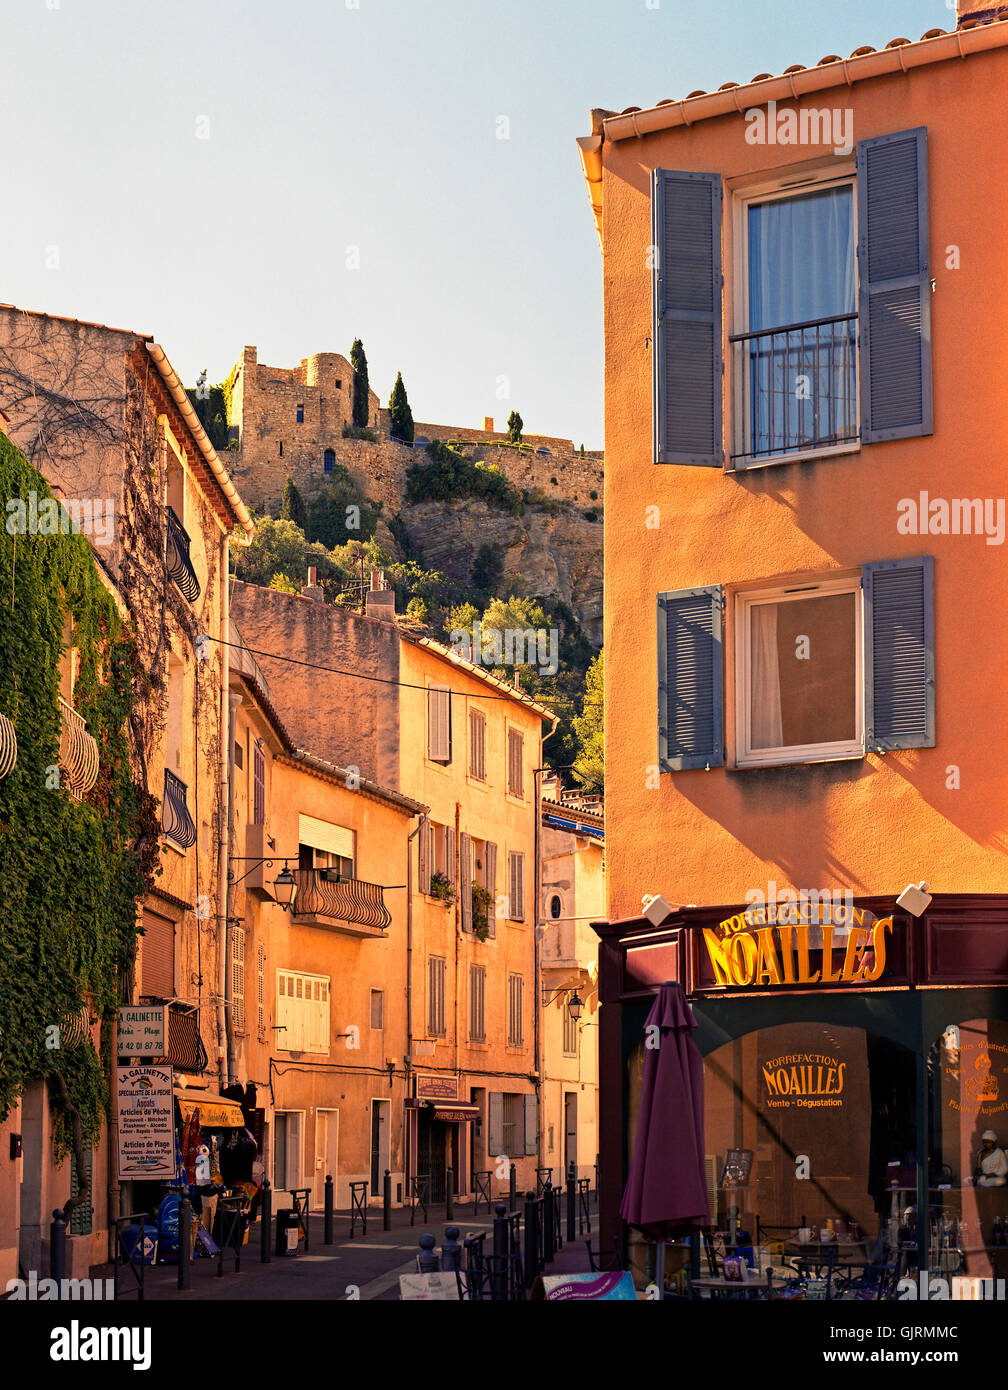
{"x":57,"y":1250}
{"x":451,"y":1251}
{"x":387,"y":1202}
{"x":449,"y":1195}
{"x":185,"y":1236}
{"x":512,"y":1188}
{"x":548,"y":1212}
{"x":265,"y":1223}
{"x":427,"y":1261}
{"x":531,"y":1238}
{"x":571,"y":1200}
{"x":327,"y":1238}
{"x":502,"y":1252}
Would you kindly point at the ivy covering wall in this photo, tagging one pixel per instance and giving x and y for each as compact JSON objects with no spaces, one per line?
{"x":71,"y":873}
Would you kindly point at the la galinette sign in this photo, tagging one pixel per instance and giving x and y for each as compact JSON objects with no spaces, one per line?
{"x":768,"y":946}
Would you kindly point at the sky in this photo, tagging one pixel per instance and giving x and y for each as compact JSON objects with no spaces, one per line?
{"x":294,"y":175}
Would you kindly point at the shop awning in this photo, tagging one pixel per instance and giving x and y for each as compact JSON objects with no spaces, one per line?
{"x":215,"y":1112}
{"x":455,"y":1111}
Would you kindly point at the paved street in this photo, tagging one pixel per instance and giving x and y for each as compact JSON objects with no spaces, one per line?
{"x":367,"y":1266}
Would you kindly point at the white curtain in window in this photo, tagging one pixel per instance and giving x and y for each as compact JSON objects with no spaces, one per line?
{"x":765,"y":698}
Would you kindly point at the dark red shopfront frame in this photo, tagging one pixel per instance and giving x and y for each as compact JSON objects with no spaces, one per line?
{"x":960,"y":942}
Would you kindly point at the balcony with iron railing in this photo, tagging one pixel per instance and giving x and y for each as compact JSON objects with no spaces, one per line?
{"x":795,"y":389}
{"x":78,"y":754}
{"x":176,"y":822}
{"x":242,"y":662}
{"x":322,"y":899}
{"x":179,"y":565}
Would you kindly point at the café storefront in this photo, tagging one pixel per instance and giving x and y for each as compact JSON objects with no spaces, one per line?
{"x":854,"y":1059}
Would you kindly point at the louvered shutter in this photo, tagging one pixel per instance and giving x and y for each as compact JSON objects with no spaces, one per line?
{"x":439,"y":725}
{"x":899,"y":655}
{"x":423,"y":841}
{"x":895,"y":290}
{"x":690,"y":695}
{"x":687,"y":287}
{"x":261,"y":992}
{"x":491,"y":884}
{"x":531,"y":1124}
{"x":465,"y":880}
{"x":238,"y":978}
{"x":449,"y":834}
{"x":495,"y":1124}
{"x":157,"y":974}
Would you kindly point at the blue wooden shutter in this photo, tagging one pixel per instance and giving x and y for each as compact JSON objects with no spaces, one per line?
{"x":899,"y":655}
{"x":688,"y":363}
{"x":895,"y":292}
{"x":690,"y":663}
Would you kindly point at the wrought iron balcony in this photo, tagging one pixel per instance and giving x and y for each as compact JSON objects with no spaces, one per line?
{"x":349,"y":905}
{"x":176,"y":822}
{"x":78,"y":755}
{"x":180,"y":567}
{"x":795,"y":388}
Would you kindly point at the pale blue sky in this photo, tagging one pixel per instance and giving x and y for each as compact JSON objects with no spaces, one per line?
{"x":375,"y":127}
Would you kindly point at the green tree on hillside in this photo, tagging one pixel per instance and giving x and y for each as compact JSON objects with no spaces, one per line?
{"x":488,"y":567}
{"x":515,"y":426}
{"x":589,"y":765}
{"x":400,"y":413}
{"x":210,"y":405}
{"x":340,"y":512}
{"x":292,"y":507}
{"x":361,"y":388}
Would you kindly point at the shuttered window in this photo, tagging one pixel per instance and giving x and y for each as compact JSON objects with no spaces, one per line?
{"x":238,"y":978}
{"x":477,"y":745}
{"x":258,"y":787}
{"x":899,"y":654}
{"x":895,"y":289}
{"x":157,"y":976}
{"x":690,"y":695}
{"x":302,"y":1012}
{"x":516,"y":991}
{"x":495,"y":1124}
{"x":512,"y":1125}
{"x":491,"y":885}
{"x":426,"y":867}
{"x":465,"y":880}
{"x":377,"y":1009}
{"x":687,"y":289}
{"x":81,"y":1217}
{"x":436,"y":996}
{"x":477,"y":1003}
{"x":516,"y":887}
{"x":439,"y":725}
{"x":516,"y":763}
{"x":570,"y":1034}
{"x":261,"y":992}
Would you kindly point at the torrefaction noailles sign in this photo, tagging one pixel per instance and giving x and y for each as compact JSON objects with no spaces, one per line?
{"x":769,"y":946}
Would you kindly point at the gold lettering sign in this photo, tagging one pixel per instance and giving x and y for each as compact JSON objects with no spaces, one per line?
{"x":805,"y":1080}
{"x":770,"y":946}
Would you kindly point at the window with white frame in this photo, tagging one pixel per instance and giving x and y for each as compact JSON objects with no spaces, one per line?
{"x":302,"y":1012}
{"x":799,"y":681}
{"x":794,"y":349}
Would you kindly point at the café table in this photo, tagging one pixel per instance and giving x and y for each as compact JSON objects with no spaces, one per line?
{"x":718,"y":1285}
{"x":817,"y":1255}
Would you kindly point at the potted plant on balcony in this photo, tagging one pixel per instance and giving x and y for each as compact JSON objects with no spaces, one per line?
{"x":442,"y":888}
{"x":482,"y":905}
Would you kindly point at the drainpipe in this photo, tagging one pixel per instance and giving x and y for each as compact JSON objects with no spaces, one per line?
{"x":222,"y":829}
{"x":408,"y":1060}
{"x":537,"y":945}
{"x":458,"y":938}
{"x":234,"y":703}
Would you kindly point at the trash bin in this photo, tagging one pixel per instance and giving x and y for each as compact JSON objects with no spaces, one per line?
{"x":287,"y":1232}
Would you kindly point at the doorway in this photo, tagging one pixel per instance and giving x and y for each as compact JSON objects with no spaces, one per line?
{"x":287,"y":1149}
{"x":326,"y":1154}
{"x":432,"y":1140}
{"x":570,"y":1131}
{"x":380,"y":1150}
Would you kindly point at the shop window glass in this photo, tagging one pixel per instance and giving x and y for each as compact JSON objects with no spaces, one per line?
{"x":810,"y":1129}
{"x":968,"y":1159}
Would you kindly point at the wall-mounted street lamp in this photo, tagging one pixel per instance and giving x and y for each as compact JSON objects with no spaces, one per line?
{"x":284,"y":888}
{"x":575,"y":1005}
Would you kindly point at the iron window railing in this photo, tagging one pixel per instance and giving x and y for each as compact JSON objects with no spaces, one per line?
{"x":339,"y":900}
{"x":795,"y":388}
{"x":176,"y":822}
{"x":180,"y":566}
{"x":78,"y":755}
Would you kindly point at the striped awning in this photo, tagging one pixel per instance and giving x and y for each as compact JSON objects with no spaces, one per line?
{"x":185,"y":1046}
{"x":215,"y":1112}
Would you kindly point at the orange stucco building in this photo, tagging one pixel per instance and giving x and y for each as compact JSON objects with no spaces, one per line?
{"x":803,"y":570}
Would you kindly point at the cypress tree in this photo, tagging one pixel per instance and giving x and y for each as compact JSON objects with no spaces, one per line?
{"x":292,"y":507}
{"x":358,"y":361}
{"x":515,"y":426}
{"x":400,"y":413}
